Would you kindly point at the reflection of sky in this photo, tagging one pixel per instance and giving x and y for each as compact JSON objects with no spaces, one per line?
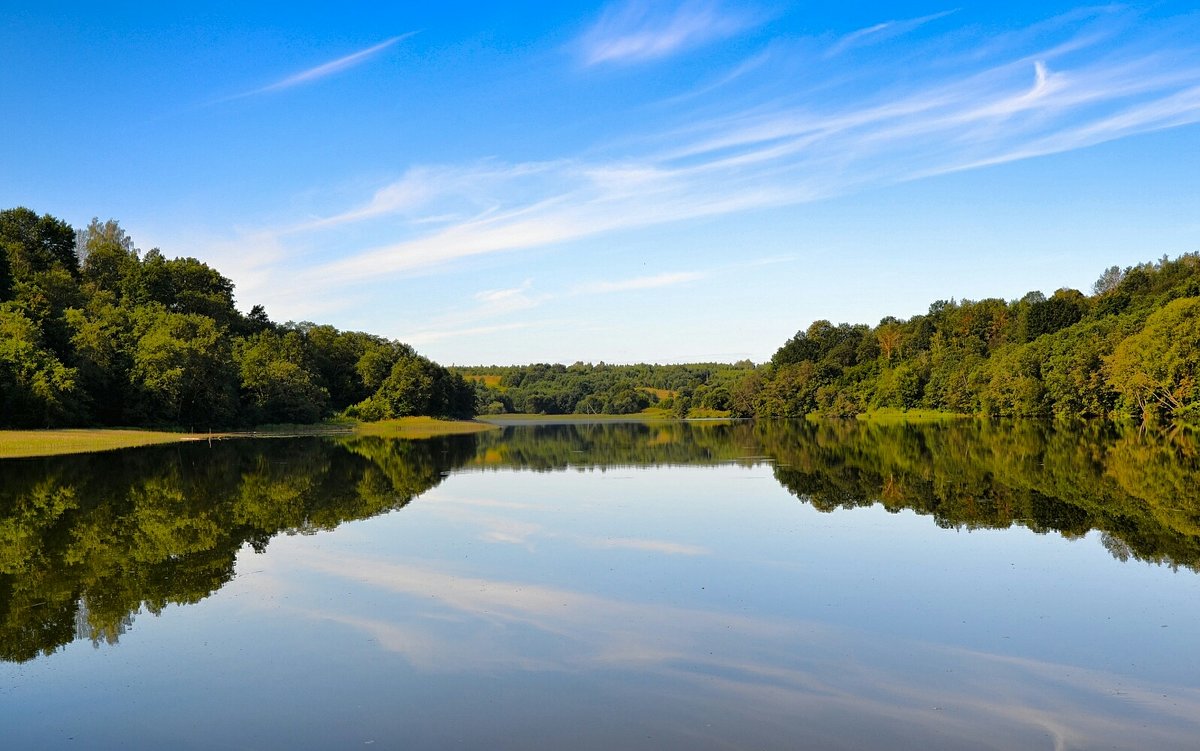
{"x":651,"y":608}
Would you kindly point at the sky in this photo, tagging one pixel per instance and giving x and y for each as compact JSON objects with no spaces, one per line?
{"x":505,"y":183}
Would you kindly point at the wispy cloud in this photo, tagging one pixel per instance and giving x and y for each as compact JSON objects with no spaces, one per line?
{"x":428,"y":336}
{"x":508,"y":298}
{"x":637,"y":31}
{"x":882,"y":32}
{"x":493,"y":305}
{"x":325,"y":70}
{"x":637,"y":283}
{"x":1064,"y":88}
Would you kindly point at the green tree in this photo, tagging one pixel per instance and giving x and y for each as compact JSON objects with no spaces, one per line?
{"x":1155,"y":370}
{"x":108,"y":256}
{"x":184,"y":369}
{"x":102,"y":344}
{"x":275,"y":385}
{"x":35,"y":243}
{"x":6,"y":280}
{"x":36,"y":389}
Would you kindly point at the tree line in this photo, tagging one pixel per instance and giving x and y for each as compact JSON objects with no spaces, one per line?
{"x":95,"y":332}
{"x":1128,"y":350}
{"x":1131,"y":349}
{"x":590,"y":389}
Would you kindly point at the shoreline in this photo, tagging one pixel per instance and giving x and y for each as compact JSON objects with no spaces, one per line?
{"x":33,"y":444}
{"x":30,"y":444}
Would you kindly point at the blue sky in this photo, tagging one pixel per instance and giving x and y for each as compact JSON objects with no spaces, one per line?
{"x":627,"y":182}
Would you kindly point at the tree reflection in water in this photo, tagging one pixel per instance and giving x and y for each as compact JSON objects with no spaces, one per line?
{"x":87,"y":542}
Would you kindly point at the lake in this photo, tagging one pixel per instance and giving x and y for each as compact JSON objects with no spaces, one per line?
{"x":770,"y":585}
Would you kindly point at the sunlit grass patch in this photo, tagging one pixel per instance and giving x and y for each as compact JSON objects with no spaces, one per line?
{"x":648,"y":415}
{"x":333,"y":425}
{"x":889,"y":416}
{"x":489,"y":379}
{"x":704,"y":413}
{"x":421,"y":427}
{"x":26,"y":443}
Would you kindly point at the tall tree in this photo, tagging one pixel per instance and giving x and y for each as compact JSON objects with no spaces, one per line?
{"x":107,"y":255}
{"x":184,"y":368}
{"x":36,"y":389}
{"x":36,"y":243}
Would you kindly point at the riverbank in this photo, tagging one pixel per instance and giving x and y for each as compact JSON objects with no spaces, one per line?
{"x":422,"y":427}
{"x":20,"y":444}
{"x":897,"y":416}
{"x":508,"y":420}
{"x":23,"y":444}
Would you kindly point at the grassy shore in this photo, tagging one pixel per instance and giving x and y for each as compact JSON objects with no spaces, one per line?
{"x":15,"y":444}
{"x":421,"y":427}
{"x":20,"y":444}
{"x":899,"y":416}
{"x":649,"y":415}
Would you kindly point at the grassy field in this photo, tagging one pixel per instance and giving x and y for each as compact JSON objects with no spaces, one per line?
{"x":420,"y":427}
{"x":648,"y":415}
{"x":25,"y":443}
{"x":492,"y":380}
{"x":20,"y":444}
{"x":16,"y":444}
{"x":898,"y":416}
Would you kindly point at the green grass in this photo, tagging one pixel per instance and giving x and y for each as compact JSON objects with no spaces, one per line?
{"x":332,"y":426}
{"x":420,"y":427}
{"x":21,"y":444}
{"x":704,"y":413}
{"x":900,"y":416}
{"x":527,"y":419}
{"x":491,"y":380}
{"x":16,"y":444}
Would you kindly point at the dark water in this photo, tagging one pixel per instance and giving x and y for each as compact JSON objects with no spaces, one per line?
{"x":773,"y":585}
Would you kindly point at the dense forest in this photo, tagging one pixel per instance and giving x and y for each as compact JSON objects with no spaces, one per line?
{"x":95,"y":332}
{"x":583,"y":388}
{"x":1130,"y":350}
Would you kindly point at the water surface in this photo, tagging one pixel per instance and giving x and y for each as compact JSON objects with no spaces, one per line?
{"x":770,"y":585}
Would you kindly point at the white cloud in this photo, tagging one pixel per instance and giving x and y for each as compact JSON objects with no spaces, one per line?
{"x":639,"y":31}
{"x":882,"y":31}
{"x":506,"y":297}
{"x":641,"y":282}
{"x":1064,"y":88}
{"x":427,"y":336}
{"x":325,"y":70}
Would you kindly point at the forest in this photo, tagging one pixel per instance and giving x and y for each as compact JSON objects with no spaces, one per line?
{"x":1128,"y":351}
{"x":94,"y":332}
{"x":690,"y":390}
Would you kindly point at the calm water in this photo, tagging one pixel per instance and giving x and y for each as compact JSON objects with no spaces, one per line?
{"x":780,"y":585}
